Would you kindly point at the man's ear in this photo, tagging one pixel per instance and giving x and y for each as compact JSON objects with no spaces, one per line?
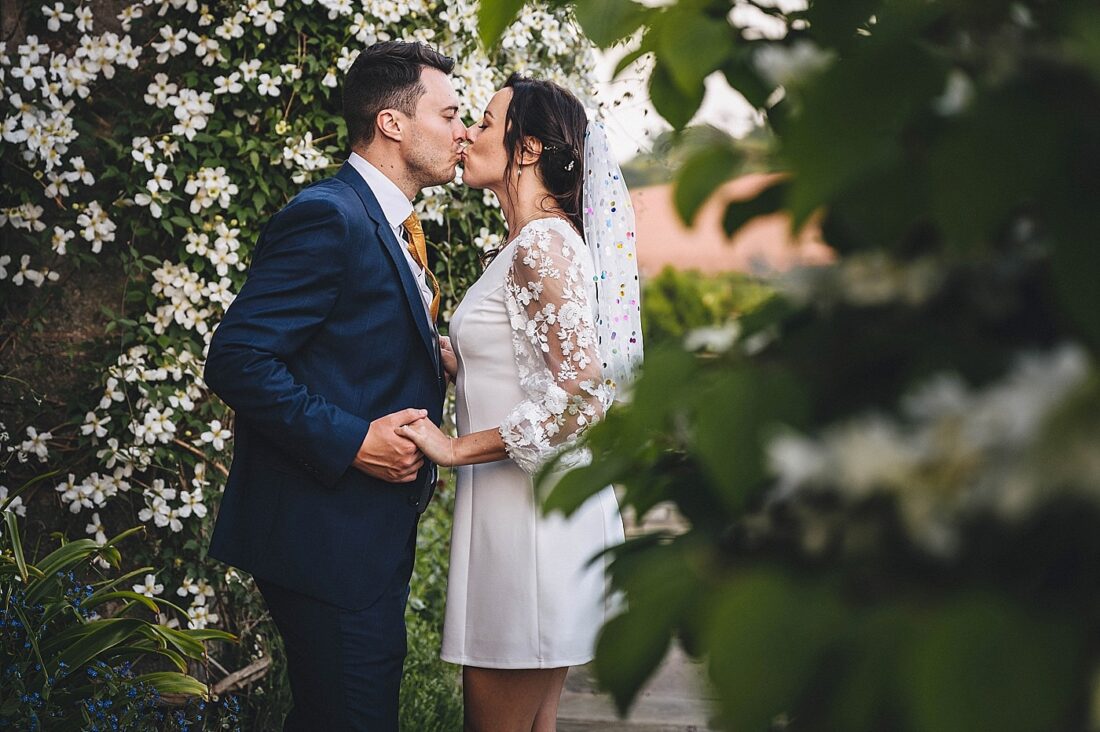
{"x":531,"y":151}
{"x":391,"y":123}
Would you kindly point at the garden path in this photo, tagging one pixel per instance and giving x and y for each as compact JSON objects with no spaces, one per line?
{"x":674,"y":700}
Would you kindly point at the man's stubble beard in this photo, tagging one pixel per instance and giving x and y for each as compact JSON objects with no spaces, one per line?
{"x":427,"y":171}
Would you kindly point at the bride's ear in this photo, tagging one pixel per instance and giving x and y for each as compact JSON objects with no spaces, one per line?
{"x":531,"y":151}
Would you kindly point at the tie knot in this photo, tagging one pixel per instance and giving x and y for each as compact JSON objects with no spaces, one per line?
{"x":412,"y":225}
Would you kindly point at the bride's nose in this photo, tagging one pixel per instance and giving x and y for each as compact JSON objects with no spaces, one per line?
{"x":471,"y":133}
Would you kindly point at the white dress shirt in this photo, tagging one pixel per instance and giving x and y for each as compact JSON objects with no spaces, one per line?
{"x":396,"y":208}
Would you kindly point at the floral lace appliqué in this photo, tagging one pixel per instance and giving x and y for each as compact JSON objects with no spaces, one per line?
{"x":550,"y":297}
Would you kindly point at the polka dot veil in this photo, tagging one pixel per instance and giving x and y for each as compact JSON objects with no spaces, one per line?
{"x":610,"y":234}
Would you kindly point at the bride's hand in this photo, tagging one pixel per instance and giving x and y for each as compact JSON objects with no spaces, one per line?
{"x":450,"y":360}
{"x":436,"y":446}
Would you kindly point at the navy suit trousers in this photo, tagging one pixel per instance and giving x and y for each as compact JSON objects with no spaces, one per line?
{"x":344,"y":665}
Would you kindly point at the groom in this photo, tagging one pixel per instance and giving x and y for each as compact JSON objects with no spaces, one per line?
{"x":333,"y":330}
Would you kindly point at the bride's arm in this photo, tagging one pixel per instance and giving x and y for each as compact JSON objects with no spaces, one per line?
{"x":557,"y":358}
{"x":478,"y":447}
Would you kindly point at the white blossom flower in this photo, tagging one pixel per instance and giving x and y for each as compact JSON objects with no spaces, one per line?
{"x":94,"y":425}
{"x":95,"y":528}
{"x":56,"y":15}
{"x":36,"y":443}
{"x":192,"y":504}
{"x":150,"y":587}
{"x":84,"y":19}
{"x":173,"y":44}
{"x":216,"y":435}
{"x":80,"y":171}
{"x":199,"y":588}
{"x":228,"y":84}
{"x":263,"y":16}
{"x":249,"y":69}
{"x":16,"y":505}
{"x":98,"y":227}
{"x":232,"y":26}
{"x":199,"y":616}
{"x":206,"y":49}
{"x":129,"y":14}
{"x":269,"y":85}
{"x":210,"y":185}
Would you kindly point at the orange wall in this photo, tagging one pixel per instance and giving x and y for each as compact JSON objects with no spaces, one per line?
{"x":763,"y":245}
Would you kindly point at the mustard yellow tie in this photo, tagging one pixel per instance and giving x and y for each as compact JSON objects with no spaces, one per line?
{"x":418,"y":248}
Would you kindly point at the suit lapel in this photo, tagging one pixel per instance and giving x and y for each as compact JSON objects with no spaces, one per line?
{"x":349,"y":175}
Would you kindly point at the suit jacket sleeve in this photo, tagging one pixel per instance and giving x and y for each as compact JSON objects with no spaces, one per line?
{"x":294,"y":281}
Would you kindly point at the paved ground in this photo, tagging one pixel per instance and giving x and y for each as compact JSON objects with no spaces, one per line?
{"x":674,"y":700}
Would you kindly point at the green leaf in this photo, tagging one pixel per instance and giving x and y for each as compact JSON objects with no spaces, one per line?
{"x":975,"y":169}
{"x":700,"y":176}
{"x":660,"y":587}
{"x":767,"y":635}
{"x":493,"y":17}
{"x":103,"y":636}
{"x":692,"y":45}
{"x":101,"y":597}
{"x":628,"y":650}
{"x":831,"y":146}
{"x":12,"y":523}
{"x":1023,"y":668}
{"x":185,"y":644}
{"x":768,"y":201}
{"x":571,"y":490}
{"x":676,"y":106}
{"x":145,"y":648}
{"x":630,"y":58}
{"x":608,"y":21}
{"x":205,"y":634}
{"x":742,"y":76}
{"x":730,"y":440}
{"x":59,"y":560}
{"x":1074,"y":263}
{"x":170,"y":682}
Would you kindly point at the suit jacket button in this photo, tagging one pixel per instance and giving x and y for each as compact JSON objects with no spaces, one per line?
{"x":413,"y":500}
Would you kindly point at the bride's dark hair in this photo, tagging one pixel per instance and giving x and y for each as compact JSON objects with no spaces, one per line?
{"x":553,"y":116}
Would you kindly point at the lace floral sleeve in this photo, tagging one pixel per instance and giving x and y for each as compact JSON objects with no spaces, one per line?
{"x":549,"y":294}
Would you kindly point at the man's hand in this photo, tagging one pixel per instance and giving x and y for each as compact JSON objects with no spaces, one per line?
{"x":386,"y":455}
{"x":450,"y":360}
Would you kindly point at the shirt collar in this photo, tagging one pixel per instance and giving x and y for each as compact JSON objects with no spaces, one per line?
{"x":395,"y":206}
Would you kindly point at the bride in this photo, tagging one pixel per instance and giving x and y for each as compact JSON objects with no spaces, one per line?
{"x":541,"y":342}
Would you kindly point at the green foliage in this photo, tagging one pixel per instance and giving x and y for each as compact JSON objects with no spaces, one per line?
{"x":431,"y":698}
{"x":675,"y":302}
{"x":887,"y":474}
{"x":64,"y":666}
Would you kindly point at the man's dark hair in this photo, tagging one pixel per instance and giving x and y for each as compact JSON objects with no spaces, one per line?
{"x":386,"y":75}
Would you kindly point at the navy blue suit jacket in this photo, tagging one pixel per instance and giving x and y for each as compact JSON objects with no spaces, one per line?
{"x":327,"y":334}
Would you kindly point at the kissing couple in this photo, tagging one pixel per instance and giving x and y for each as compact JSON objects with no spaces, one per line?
{"x":331,"y":359}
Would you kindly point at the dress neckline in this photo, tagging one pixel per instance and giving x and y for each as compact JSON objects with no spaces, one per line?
{"x":547,"y":221}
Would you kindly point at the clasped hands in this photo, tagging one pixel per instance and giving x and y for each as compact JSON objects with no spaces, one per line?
{"x":395,"y":445}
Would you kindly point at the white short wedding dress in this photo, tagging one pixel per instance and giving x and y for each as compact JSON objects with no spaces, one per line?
{"x":523,"y":591}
